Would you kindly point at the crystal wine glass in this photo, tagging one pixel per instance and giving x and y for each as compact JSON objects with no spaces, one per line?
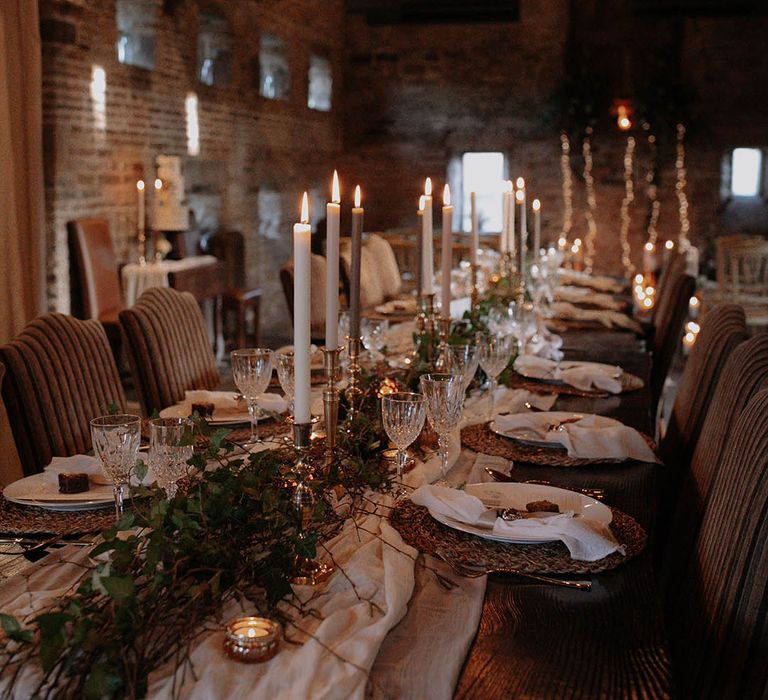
{"x":373,"y":330}
{"x":444,"y":400}
{"x":403,"y":416}
{"x":170,"y":447}
{"x":252,"y":370}
{"x":284,"y":366}
{"x":495,"y":352}
{"x":116,"y":441}
{"x":463,"y":360}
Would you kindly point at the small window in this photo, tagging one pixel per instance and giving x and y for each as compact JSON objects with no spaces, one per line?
{"x":483,"y":174}
{"x":136,"y":33}
{"x":746,"y":172}
{"x":214,"y":50}
{"x":320,"y":83}
{"x":274,"y":77}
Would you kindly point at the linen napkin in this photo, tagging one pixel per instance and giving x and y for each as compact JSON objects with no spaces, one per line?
{"x":451,"y":503}
{"x":582,"y":375}
{"x":587,"y":540}
{"x":85,"y":464}
{"x":592,"y":437}
{"x":505,"y":400}
{"x":582,"y":295}
{"x":228,"y":403}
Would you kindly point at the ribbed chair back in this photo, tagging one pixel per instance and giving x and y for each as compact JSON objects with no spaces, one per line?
{"x":744,"y":374}
{"x":669,"y":330}
{"x":721,"y":331}
{"x":719,"y":620}
{"x":168,"y":348}
{"x":672,"y":271}
{"x":60,"y":375}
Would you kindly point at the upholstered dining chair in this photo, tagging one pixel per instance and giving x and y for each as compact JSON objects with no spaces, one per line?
{"x":744,"y":374}
{"x":386,"y":262}
{"x":167,"y":347}
{"x":317,"y":293}
{"x":60,"y":374}
{"x":239,"y":298}
{"x":673,"y":269}
{"x":10,"y":464}
{"x":96,"y":282}
{"x":718,"y":621}
{"x":371,"y":278}
{"x":722,"y":329}
{"x":668,"y":331}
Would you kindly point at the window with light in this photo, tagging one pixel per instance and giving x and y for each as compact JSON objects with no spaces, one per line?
{"x":482,"y":173}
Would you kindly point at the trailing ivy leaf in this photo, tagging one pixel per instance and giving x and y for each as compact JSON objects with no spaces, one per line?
{"x":13,"y":630}
{"x":119,"y":587}
{"x":140,"y":470}
{"x":101,"y":683}
{"x":113,"y":409}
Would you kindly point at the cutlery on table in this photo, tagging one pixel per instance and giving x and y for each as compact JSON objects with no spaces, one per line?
{"x":533,"y":408}
{"x":467,"y":570}
{"x":558,"y":427}
{"x":31,"y":545}
{"x":596,"y":493}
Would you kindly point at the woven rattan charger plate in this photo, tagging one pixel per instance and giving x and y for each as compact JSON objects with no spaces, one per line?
{"x":420,"y":530}
{"x":480,"y":439}
{"x":629,"y":382}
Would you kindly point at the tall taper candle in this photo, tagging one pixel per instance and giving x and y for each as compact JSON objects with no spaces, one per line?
{"x":302,"y":234}
{"x":428,"y":262}
{"x":357,"y":242}
{"x":474,"y":237}
{"x":523,"y":242}
{"x":504,"y":236}
{"x":536,"y":206}
{"x":140,"y":216}
{"x":447,"y":252}
{"x":333,"y":215}
{"x":511,"y":240}
{"x":420,"y":250}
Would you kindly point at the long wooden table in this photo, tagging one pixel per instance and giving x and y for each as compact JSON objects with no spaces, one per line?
{"x":539,"y":641}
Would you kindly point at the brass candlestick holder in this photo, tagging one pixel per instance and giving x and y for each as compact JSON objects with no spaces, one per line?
{"x":473,"y":294}
{"x":142,"y":246}
{"x":331,"y":402}
{"x":353,"y":392}
{"x":308,"y":572}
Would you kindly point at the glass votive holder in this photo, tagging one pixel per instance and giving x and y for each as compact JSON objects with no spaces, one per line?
{"x":251,"y":639}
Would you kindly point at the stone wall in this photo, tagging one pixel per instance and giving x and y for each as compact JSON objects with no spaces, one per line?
{"x":256,"y":155}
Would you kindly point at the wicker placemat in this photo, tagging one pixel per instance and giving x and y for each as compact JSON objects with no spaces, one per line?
{"x":419,"y":529}
{"x":31,"y":520}
{"x":480,"y":439}
{"x":629,"y":382}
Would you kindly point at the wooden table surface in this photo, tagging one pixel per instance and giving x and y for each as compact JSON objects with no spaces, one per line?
{"x":540,"y":641}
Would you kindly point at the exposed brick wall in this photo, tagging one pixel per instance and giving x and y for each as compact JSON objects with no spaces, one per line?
{"x":256,"y":155}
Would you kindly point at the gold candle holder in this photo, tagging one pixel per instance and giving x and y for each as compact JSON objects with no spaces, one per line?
{"x":251,"y":639}
{"x":142,"y":246}
{"x":353,"y":392}
{"x":308,"y":572}
{"x":331,"y":402}
{"x":473,"y":294}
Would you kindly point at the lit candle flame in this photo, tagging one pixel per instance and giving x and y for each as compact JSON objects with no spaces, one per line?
{"x":520,"y":183}
{"x":536,"y":204}
{"x":422,"y":202}
{"x":428,"y":187}
{"x":669,"y":245}
{"x":357,"y":196}
{"x":446,"y":196}
{"x":305,"y":209}
{"x":649,"y":247}
{"x":140,"y":185}
{"x":158,"y":183}
{"x":520,"y":196}
{"x":336,"y":194}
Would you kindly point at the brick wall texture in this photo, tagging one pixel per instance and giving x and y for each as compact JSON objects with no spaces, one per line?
{"x":407,"y":99}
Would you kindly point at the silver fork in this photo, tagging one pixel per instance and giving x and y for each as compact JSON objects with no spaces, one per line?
{"x":476,"y":570}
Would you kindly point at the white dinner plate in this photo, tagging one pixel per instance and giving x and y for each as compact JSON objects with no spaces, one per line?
{"x":184,"y":409}
{"x":42,"y":490}
{"x":513,"y":495}
{"x":533,"y":438}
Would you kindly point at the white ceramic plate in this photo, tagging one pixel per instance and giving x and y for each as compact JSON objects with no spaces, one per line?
{"x":184,"y":409}
{"x":533,"y":438}
{"x":42,"y":490}
{"x":512,"y":495}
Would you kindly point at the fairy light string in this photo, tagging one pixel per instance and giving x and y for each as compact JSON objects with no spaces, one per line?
{"x":626,"y":203}
{"x":682,"y":198}
{"x":589,"y":185}
{"x":565,"y":169}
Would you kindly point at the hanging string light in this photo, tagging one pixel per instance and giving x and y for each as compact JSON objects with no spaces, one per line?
{"x":682,"y":198}
{"x":652,"y":191}
{"x":589,"y":184}
{"x":629,"y":197}
{"x":565,"y":168}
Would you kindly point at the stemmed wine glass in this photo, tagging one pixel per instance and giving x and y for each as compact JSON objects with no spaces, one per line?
{"x":284,"y":366}
{"x":495,"y":352}
{"x":373,"y":330}
{"x":463,"y":360}
{"x":444,"y":401}
{"x":252,"y":370}
{"x":116,"y":441}
{"x":403,"y":416}
{"x":170,"y":447}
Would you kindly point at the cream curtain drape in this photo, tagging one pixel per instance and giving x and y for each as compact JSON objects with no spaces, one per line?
{"x":21,"y":167}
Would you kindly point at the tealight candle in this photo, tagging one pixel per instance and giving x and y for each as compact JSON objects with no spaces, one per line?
{"x":251,"y":639}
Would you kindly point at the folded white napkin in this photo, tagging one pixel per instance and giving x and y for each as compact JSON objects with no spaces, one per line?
{"x":582,"y":375}
{"x":273,"y":402}
{"x":85,"y":464}
{"x":451,"y":503}
{"x":505,"y":400}
{"x":592,"y":437}
{"x":587,"y":540}
{"x":582,"y":295}
{"x":230,"y":403}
